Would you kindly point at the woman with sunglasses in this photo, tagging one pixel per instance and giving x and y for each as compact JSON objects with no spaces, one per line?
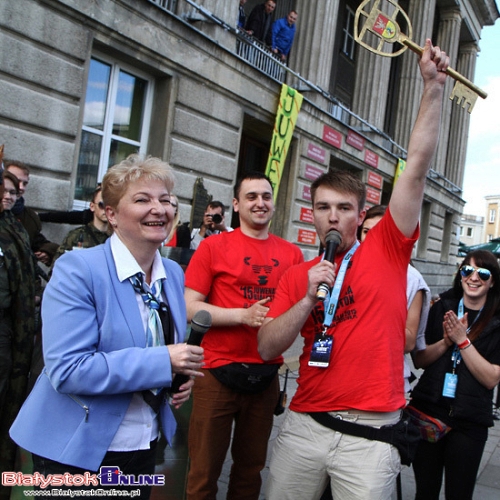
{"x":462,"y":367}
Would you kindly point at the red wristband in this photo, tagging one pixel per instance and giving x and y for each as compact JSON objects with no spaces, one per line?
{"x":464,"y":344}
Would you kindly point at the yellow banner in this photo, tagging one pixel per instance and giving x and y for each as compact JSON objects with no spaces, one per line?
{"x":286,"y":117}
{"x":399,"y":169}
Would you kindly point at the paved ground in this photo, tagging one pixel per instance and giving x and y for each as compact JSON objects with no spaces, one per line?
{"x":488,"y":483}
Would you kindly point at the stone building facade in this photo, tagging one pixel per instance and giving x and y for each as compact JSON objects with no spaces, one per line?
{"x":84,"y":83}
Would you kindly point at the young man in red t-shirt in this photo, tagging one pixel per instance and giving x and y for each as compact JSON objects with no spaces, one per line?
{"x":362,"y":381}
{"x":234,"y":276}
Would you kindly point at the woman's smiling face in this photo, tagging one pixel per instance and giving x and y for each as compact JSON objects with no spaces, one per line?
{"x":143,"y":214}
{"x":473,"y":286}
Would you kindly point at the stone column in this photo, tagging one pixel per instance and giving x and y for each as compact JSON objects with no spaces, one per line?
{"x":312,"y":50}
{"x":448,"y":39}
{"x":460,"y":119}
{"x":372,"y":81}
{"x":421,"y":15}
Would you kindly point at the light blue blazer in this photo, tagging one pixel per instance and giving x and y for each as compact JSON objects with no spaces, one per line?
{"x":95,"y":359}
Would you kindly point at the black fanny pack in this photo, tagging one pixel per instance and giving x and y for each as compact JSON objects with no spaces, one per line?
{"x":404,"y":435}
{"x":248,"y":378}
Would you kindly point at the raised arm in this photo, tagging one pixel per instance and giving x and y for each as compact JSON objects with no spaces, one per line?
{"x":406,"y":199}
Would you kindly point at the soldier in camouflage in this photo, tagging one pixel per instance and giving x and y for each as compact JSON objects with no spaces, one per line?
{"x":17,"y":328}
{"x":92,"y":234}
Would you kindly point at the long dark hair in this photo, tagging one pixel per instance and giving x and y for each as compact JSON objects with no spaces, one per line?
{"x":482,"y":258}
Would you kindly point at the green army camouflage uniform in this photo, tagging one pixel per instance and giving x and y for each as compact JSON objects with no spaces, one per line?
{"x":18,"y":324}
{"x":82,"y":237}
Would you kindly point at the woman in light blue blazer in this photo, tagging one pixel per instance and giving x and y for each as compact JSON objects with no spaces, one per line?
{"x":96,"y":402}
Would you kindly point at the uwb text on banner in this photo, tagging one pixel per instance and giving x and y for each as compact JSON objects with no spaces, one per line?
{"x":286,"y":117}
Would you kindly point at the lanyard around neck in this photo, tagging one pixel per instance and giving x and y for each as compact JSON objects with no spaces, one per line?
{"x":333,"y":298}
{"x":460,"y":314}
{"x":455,"y":355}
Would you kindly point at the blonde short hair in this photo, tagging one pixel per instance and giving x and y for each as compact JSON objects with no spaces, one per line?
{"x":135,"y":167}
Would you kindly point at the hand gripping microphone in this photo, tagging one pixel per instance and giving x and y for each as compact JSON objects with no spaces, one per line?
{"x":200,"y":324}
{"x":332,"y":240}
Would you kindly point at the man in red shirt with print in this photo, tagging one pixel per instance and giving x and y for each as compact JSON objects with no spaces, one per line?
{"x":363,"y":320}
{"x":234,"y":276}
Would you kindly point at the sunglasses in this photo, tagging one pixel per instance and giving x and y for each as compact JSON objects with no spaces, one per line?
{"x":101,"y":205}
{"x":484,"y":274}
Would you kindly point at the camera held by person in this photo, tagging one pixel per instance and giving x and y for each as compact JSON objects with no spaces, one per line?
{"x":213,"y":223}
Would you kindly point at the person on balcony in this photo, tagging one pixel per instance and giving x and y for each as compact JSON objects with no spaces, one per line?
{"x":260,"y":20}
{"x":242,"y":16}
{"x":283,"y":33}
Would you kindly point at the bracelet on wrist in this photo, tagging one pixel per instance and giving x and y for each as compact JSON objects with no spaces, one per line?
{"x":466,"y":343}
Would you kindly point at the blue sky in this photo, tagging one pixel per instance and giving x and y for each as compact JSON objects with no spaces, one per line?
{"x":482,"y":166}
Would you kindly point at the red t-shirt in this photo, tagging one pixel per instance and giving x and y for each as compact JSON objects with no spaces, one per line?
{"x":366,"y":363}
{"x":233,"y":270}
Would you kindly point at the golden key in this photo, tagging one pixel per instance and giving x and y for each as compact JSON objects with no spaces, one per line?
{"x":387,"y":31}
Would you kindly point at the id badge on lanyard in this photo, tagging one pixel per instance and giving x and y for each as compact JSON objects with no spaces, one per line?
{"x":323,"y":342}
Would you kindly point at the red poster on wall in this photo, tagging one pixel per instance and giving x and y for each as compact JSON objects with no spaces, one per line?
{"x":306,"y":215}
{"x":332,"y":136}
{"x":374,"y":180}
{"x":306,"y":236}
{"x":373,"y":195}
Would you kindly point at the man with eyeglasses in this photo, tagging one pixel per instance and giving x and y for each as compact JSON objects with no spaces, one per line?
{"x":92,"y":234}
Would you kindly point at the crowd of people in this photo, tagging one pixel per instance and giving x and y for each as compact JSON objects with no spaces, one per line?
{"x":114,"y":317}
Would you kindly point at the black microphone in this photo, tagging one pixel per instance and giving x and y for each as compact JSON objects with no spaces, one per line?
{"x":332,"y":240}
{"x":200,"y":324}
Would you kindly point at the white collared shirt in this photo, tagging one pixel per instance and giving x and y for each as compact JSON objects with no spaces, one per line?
{"x":140,"y":424}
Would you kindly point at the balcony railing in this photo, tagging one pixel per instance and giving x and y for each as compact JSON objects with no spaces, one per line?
{"x":170,"y":5}
{"x":259,"y":56}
